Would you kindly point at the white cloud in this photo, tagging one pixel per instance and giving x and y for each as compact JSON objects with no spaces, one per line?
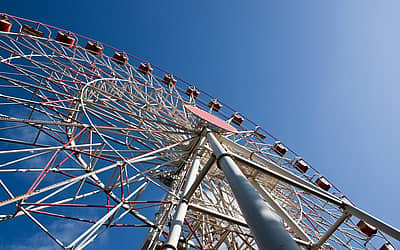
{"x":65,"y":232}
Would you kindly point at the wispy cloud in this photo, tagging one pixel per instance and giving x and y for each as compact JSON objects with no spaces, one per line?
{"x":65,"y":232}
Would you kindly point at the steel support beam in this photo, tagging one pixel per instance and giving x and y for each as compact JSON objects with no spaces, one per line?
{"x":282,"y":213}
{"x":221,"y":239}
{"x":380,"y":225}
{"x":268,"y":231}
{"x":292,"y":180}
{"x":275,"y":171}
{"x":330,"y":231}
{"x":183,"y":204}
{"x":218,"y":215}
{"x":199,"y":178}
{"x":271,"y":166}
{"x":86,"y":237}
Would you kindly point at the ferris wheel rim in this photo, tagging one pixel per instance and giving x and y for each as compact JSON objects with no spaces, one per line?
{"x":178,"y":78}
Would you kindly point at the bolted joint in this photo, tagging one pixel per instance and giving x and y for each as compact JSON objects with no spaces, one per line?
{"x":222,"y":156}
{"x":167,"y":246}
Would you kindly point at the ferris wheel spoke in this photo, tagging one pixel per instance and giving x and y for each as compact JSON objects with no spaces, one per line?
{"x":157,"y":96}
{"x":42,"y":205}
{"x":282,"y":212}
{"x":12,"y":48}
{"x":43,"y":228}
{"x":56,"y":185}
{"x":91,"y":231}
{"x":169,"y":121}
{"x":97,"y":115}
{"x":40,"y":113}
{"x":45,"y":68}
{"x":163,"y":100}
{"x":101,"y":111}
{"x":24,"y":85}
{"x":122,"y":130}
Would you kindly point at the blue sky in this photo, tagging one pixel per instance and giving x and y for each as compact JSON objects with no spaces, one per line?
{"x":321,"y":76}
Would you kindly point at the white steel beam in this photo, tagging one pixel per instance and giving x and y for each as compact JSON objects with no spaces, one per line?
{"x":281,"y":212}
{"x":290,"y":179}
{"x":330,"y":231}
{"x":218,"y":215}
{"x":92,"y":230}
{"x":200,"y":178}
{"x":382,"y":226}
{"x":180,"y":214}
{"x":269,"y":165}
{"x":268,"y":231}
{"x":275,"y":171}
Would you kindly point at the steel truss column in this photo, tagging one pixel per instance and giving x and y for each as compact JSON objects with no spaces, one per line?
{"x":177,"y":223}
{"x":268,"y":231}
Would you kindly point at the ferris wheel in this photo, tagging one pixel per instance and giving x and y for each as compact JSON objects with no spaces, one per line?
{"x":96,"y":138}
